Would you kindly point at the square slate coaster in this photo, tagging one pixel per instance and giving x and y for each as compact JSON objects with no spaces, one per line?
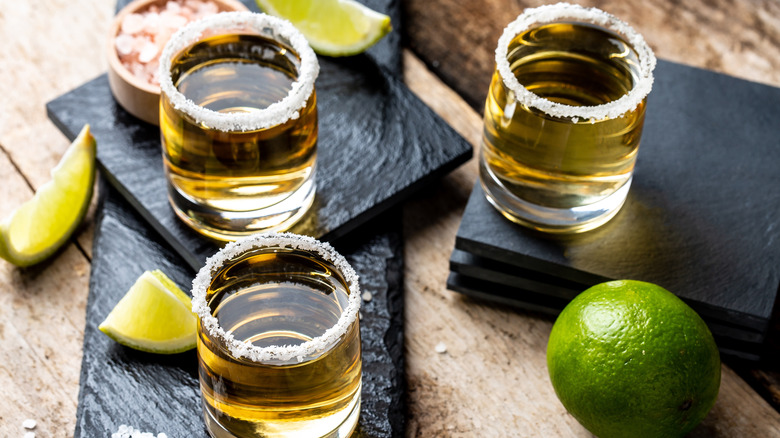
{"x":378,"y":144}
{"x":161,"y":393}
{"x":731,"y":340}
{"x":702,"y":218}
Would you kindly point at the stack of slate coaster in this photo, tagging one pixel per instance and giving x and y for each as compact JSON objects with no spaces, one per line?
{"x":702,"y":218}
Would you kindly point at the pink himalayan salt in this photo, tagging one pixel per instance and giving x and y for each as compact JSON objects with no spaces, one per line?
{"x":143,"y":35}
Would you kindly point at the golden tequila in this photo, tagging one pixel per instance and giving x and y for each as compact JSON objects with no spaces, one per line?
{"x":277,"y":297}
{"x":228,"y":181}
{"x":559,"y":171}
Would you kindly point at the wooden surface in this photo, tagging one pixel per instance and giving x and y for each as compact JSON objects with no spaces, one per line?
{"x":492,"y":381}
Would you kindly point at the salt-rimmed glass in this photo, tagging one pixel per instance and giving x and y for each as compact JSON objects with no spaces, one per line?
{"x":564,"y":117}
{"x":278,"y":339}
{"x":238,"y":121}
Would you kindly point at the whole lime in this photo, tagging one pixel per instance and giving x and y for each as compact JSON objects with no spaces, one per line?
{"x":630,"y":359}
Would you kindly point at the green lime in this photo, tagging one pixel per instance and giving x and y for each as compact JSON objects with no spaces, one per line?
{"x":630,"y":359}
{"x":40,"y":226}
{"x":154,"y":316}
{"x":332,"y":27}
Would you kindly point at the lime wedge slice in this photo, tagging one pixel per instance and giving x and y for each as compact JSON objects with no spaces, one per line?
{"x":332,"y":27}
{"x":40,"y":226}
{"x":154,"y":316}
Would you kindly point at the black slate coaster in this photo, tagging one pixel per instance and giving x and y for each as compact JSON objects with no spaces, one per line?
{"x":703,"y":215}
{"x":378,"y":143}
{"x":731,"y":340}
{"x":508,"y":281}
{"x":159,"y":393}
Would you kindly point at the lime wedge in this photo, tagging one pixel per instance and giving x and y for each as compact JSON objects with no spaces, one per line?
{"x":154,"y":316}
{"x":40,"y":226}
{"x":332,"y":27}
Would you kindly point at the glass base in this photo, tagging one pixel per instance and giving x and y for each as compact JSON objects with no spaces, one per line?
{"x":343,"y":430}
{"x":552,"y":220}
{"x":230,"y":225}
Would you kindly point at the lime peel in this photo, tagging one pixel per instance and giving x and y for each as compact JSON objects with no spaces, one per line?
{"x":153,"y":316}
{"x":332,"y":27}
{"x":629,"y":358}
{"x":40,"y":226}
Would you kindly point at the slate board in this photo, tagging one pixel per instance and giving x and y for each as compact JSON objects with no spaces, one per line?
{"x":378,"y":144}
{"x":158,"y":393}
{"x":161,"y":393}
{"x":702,"y":218}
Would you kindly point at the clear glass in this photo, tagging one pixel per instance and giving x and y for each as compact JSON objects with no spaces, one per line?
{"x":563,"y":118}
{"x":238,"y":123}
{"x":278,"y":339}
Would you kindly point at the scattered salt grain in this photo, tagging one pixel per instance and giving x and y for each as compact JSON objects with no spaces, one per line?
{"x":29,"y":423}
{"x":441,"y":348}
{"x":367,"y":296}
{"x":125,"y":431}
{"x":29,"y":435}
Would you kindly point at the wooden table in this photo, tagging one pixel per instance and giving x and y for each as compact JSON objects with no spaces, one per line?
{"x":492,"y":381}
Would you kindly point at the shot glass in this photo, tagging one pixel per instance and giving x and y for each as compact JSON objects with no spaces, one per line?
{"x":563,"y":117}
{"x":279,"y":349}
{"x":238,"y":122}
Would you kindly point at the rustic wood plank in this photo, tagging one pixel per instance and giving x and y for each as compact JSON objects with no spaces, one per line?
{"x":41,"y":329}
{"x":57,"y":45}
{"x":496,"y":355}
{"x":51,"y":48}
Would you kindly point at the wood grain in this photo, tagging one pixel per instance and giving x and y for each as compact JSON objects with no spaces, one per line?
{"x":492,"y":379}
{"x":41,"y":329}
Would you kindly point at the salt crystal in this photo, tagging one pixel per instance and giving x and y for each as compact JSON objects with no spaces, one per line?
{"x":162,"y":37}
{"x":172,"y":21}
{"x":143,"y":35}
{"x":441,"y":348}
{"x":124,"y":44}
{"x":367,"y":296}
{"x":148,"y":52}
{"x":125,"y":431}
{"x":151,"y":23}
{"x":137,"y":70}
{"x":139,"y":42}
{"x":132,"y":23}
{"x":29,"y":435}
{"x":173,"y":7}
{"x":209,"y":8}
{"x":28,"y":423}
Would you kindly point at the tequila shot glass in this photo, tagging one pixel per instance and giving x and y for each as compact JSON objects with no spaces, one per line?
{"x":279,"y":348}
{"x":564,"y":117}
{"x":238,"y":123}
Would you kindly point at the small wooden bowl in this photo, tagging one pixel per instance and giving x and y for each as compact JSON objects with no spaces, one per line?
{"x":138,"y":97}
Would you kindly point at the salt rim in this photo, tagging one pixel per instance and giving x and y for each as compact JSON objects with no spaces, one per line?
{"x":245,"y":349}
{"x":560,"y":11}
{"x":275,"y":114}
